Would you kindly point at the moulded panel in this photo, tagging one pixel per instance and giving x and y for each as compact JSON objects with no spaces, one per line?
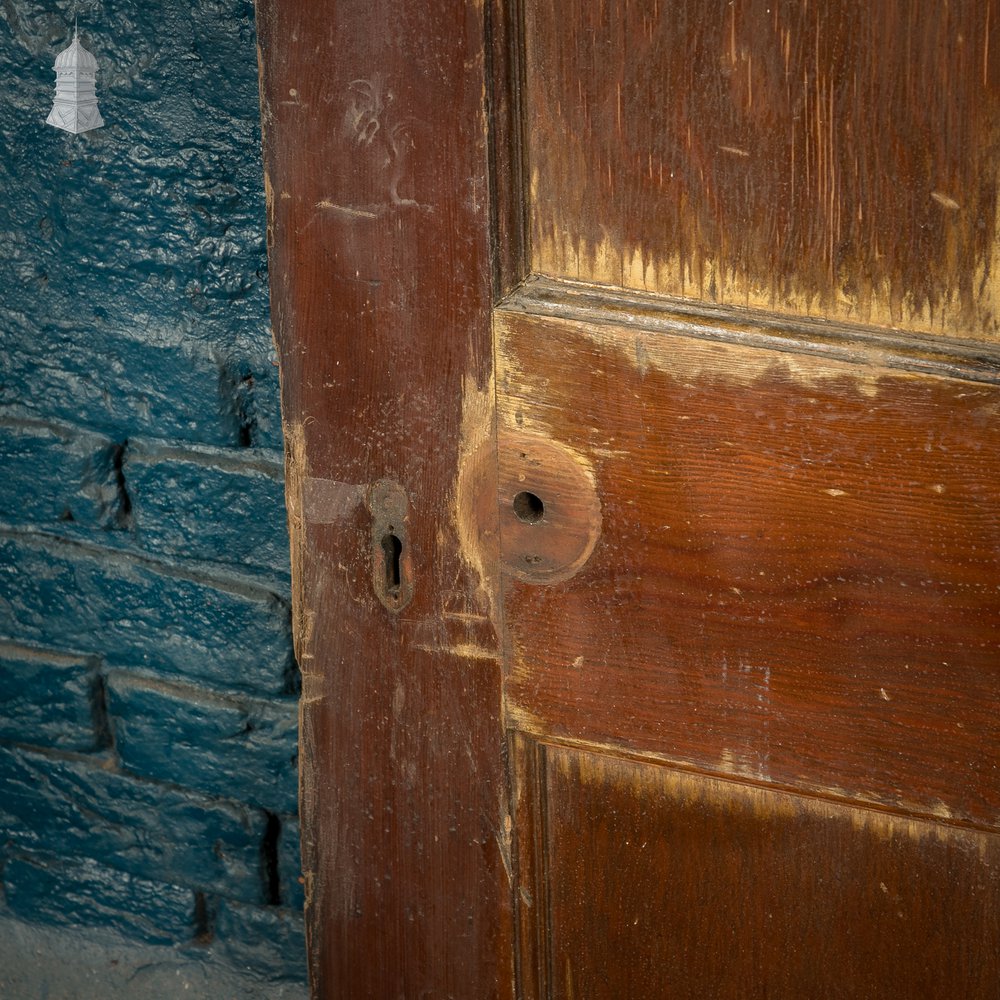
{"x":834,"y":159}
{"x":664,"y":884}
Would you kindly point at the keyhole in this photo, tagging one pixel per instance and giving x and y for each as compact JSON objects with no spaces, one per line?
{"x":392,"y":549}
{"x":528,"y":507}
{"x":392,"y":559}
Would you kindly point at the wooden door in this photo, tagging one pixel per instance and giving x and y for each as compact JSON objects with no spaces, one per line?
{"x":639,"y":362}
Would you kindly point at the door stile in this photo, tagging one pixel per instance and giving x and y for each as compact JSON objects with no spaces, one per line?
{"x":376,"y":169}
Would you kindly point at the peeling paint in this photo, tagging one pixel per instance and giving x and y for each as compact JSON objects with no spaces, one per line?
{"x":589,"y":763}
{"x":683,"y":359}
{"x":296,"y":466}
{"x":354,"y":213}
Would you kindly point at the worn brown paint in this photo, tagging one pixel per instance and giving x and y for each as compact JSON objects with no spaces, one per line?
{"x":798,"y":573}
{"x":714,"y":889}
{"x":836,"y":159}
{"x":758,"y":623}
{"x":381,"y":288}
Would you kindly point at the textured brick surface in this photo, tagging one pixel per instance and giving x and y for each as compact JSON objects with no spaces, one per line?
{"x":142,"y":527}
{"x":177,"y":501}
{"x":209,"y":506}
{"x":290,"y":865}
{"x":50,"y":699}
{"x":143,"y":614}
{"x":55,"y":476}
{"x":103,"y":380}
{"x":134,"y":267}
{"x":85,"y":892}
{"x":237,"y":747}
{"x":81,"y":809}
{"x":271,"y":938}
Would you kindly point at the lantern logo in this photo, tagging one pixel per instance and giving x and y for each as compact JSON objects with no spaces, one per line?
{"x":75,"y":106}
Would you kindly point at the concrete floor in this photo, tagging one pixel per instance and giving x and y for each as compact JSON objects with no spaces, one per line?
{"x":46,"y":963}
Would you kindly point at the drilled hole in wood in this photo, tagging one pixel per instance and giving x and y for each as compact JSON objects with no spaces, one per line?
{"x":528,"y":507}
{"x":392,"y":549}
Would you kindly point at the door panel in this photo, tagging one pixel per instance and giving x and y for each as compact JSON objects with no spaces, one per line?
{"x":759,"y":546}
{"x":654,"y":883}
{"x":834,"y":159}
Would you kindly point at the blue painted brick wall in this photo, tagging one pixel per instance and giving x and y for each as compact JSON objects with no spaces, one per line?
{"x":148,"y":692}
{"x":84,"y":808}
{"x":244,"y":748}
{"x":51,"y":699}
{"x":86,"y":892}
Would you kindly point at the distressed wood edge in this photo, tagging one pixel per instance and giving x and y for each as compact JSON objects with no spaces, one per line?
{"x":605,"y":306}
{"x":295,"y":474}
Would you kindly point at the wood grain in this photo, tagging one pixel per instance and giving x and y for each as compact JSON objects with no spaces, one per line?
{"x":833,"y":159}
{"x":786,"y":569}
{"x":798,"y":574}
{"x":376,"y":171}
{"x":659,"y":884}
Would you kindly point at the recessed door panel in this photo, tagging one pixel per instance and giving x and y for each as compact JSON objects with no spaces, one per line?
{"x":796,"y":572}
{"x":834,"y":159}
{"x":652,"y":883}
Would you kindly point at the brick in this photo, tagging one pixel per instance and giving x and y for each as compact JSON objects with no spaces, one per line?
{"x":51,"y":699}
{"x":236,"y":747}
{"x":209,"y":506}
{"x":290,"y":864}
{"x":82,"y":371}
{"x":135,"y":305}
{"x":268,"y":940}
{"x":62,"y":805}
{"x":193,"y":502}
{"x":134,"y":331}
{"x":84,"y":892}
{"x":54,"y":476}
{"x":144,"y":614}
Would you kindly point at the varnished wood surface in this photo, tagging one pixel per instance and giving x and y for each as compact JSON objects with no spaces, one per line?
{"x":376,"y":171}
{"x":834,"y":159}
{"x":653,"y":884}
{"x":797,"y":578}
{"x":859,"y":345}
{"x":782,"y":545}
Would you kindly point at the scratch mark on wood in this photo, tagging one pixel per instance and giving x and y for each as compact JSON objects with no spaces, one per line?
{"x":462,"y":651}
{"x":944,"y":201}
{"x":503,"y":843}
{"x":475,"y":491}
{"x":386,"y":136}
{"x":356,"y":213}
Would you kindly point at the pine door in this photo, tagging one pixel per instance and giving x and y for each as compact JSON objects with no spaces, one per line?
{"x":640,"y":378}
